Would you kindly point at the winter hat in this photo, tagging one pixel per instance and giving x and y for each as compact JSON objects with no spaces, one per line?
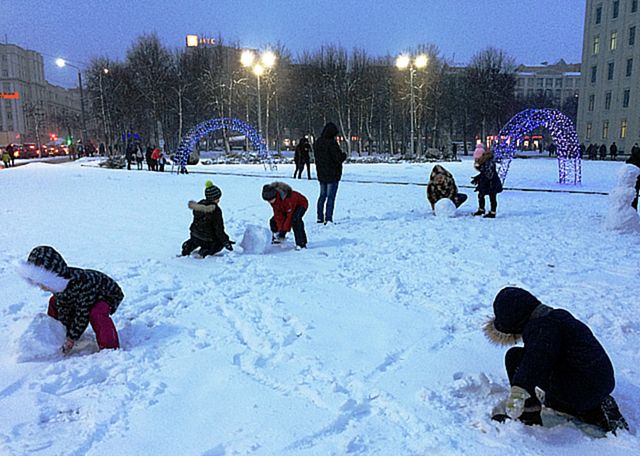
{"x":479,"y":151}
{"x":45,"y":266}
{"x":512,"y":308}
{"x":211,"y":192}
{"x":269,"y":192}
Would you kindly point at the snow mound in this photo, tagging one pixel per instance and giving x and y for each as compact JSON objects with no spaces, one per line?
{"x":620,"y":215}
{"x":41,"y":339}
{"x":256,"y":240}
{"x":445,"y":208}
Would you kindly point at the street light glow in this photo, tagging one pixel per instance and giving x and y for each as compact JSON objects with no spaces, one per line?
{"x":246,"y":58}
{"x":258,"y":70}
{"x":105,"y":70}
{"x":402,"y":62}
{"x":421,"y":61}
{"x":268,"y":59}
{"x":60,"y":62}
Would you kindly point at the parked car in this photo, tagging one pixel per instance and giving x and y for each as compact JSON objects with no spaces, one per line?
{"x":29,"y":150}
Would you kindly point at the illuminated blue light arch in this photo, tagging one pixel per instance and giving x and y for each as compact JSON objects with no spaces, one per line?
{"x":193,"y":136}
{"x":562,"y":131}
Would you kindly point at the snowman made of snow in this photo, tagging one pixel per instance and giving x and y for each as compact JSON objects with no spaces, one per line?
{"x":621,"y":216}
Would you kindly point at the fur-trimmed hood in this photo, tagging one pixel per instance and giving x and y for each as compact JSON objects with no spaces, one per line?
{"x":485,"y":157}
{"x":45,"y":267}
{"x":283,"y":189}
{"x":513,"y":308}
{"x":201,"y":207}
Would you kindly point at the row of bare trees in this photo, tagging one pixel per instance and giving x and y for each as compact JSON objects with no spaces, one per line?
{"x":158,"y":93}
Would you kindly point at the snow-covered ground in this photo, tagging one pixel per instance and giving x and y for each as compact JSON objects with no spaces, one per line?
{"x":369,"y":342}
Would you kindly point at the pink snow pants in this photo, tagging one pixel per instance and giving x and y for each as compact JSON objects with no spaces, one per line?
{"x":106,"y":334}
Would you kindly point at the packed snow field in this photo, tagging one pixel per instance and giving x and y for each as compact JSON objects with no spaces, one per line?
{"x":368,"y":342}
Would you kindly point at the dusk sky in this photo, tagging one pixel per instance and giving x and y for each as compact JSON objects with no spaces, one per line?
{"x":531,"y":31}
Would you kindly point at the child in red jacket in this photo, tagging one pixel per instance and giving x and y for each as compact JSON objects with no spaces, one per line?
{"x":289,"y":207}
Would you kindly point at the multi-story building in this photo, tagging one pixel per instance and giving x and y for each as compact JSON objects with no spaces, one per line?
{"x":557,"y":84}
{"x":30,"y":107}
{"x":609,"y":108}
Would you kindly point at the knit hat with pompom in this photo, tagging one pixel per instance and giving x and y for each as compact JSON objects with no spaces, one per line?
{"x":211,"y":192}
{"x":479,"y":151}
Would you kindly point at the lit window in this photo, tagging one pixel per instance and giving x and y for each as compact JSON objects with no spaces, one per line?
{"x":623,"y":129}
{"x":596,"y":44}
{"x":589,"y":129}
{"x":614,"y":40}
{"x":605,"y":129}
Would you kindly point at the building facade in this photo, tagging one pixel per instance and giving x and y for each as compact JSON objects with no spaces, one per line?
{"x":609,"y":108}
{"x":557,"y":85}
{"x":30,"y":107}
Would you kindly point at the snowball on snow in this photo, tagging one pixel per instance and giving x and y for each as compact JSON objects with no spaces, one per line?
{"x":256,"y":240}
{"x":43,"y":338}
{"x":620,"y":215}
{"x":445,"y":208}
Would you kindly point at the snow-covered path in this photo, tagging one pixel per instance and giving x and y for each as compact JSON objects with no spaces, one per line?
{"x":368,"y":342}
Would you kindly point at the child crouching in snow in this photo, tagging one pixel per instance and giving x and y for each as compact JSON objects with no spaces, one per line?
{"x":561,"y":365}
{"x":289,"y":207}
{"x":80,"y":296}
{"x":442,"y":185}
{"x":207,"y":228}
{"x":487,"y":182}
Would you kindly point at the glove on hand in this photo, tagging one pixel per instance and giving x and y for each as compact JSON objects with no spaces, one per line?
{"x":229,"y":245}
{"x":515,"y":403}
{"x":475,"y":179}
{"x":68,"y":345}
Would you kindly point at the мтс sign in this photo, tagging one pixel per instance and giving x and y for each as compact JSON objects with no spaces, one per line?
{"x":10,"y":95}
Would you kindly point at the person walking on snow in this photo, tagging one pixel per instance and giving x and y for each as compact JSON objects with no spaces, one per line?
{"x":301,"y":158}
{"x":6,"y":158}
{"x":442,"y":185}
{"x":329,"y":158}
{"x":634,"y":160}
{"x":288,"y":207}
{"x":561,"y":365}
{"x":207,"y":228}
{"x":487,"y":182}
{"x":80,"y":296}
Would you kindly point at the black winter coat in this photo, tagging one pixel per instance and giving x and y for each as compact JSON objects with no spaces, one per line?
{"x":329,"y":157}
{"x":488,"y":180}
{"x":301,"y":155}
{"x":208,"y":224}
{"x":563,"y":357}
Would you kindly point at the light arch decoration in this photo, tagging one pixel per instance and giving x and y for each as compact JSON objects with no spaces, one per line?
{"x":196,"y":133}
{"x":563,"y":133}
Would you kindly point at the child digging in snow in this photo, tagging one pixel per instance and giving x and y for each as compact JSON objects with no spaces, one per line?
{"x":561,"y":365}
{"x":80,"y":296}
{"x":487,"y":182}
{"x":207,"y":228}
{"x":288,"y":207}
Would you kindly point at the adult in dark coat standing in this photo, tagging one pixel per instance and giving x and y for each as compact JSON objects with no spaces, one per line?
{"x":207,"y":228}
{"x":603,"y":152}
{"x":613,"y":151}
{"x":302,"y":157}
{"x":329,"y":158}
{"x":561,"y":364}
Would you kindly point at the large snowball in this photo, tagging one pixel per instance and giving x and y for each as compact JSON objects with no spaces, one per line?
{"x":42,"y":339}
{"x":445,"y":208}
{"x":256,"y":240}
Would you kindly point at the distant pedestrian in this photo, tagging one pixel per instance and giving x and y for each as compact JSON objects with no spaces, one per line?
{"x":12,"y":154}
{"x":102,"y":149}
{"x":454,"y":152}
{"x":634,"y":159}
{"x":302,"y":158}
{"x":5,"y":158}
{"x":603,"y":152}
{"x":155,"y":157}
{"x":613,"y":151}
{"x":130,"y":155}
{"x":139,"y":156}
{"x":329,"y":158}
{"x":162,"y":161}
{"x":582,"y":150}
{"x":552,"y":149}
{"x":148,"y":158}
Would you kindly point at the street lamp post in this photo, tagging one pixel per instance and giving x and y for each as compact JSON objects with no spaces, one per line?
{"x":404,"y":62}
{"x":62,"y":63}
{"x":267,"y":61}
{"x":104,"y":120}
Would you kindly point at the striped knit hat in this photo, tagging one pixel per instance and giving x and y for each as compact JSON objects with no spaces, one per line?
{"x":211,"y":192}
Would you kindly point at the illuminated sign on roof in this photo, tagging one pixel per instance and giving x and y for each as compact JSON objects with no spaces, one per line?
{"x":10,"y":95}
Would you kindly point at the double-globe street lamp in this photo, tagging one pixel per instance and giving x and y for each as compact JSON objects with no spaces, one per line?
{"x":62,"y":63}
{"x":404,"y":62}
{"x":259,"y":66}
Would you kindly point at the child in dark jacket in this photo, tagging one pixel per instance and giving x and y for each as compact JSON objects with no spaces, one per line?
{"x":487,"y":182}
{"x":80,"y":296}
{"x":561,"y":365}
{"x":207,"y":228}
{"x":289,"y":207}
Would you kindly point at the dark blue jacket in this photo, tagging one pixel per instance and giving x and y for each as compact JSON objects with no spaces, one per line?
{"x":563,"y":357}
